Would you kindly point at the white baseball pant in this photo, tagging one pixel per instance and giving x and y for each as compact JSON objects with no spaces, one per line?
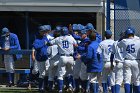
{"x":131,"y":68}
{"x":9,"y":63}
{"x":43,"y":68}
{"x":65,"y":65}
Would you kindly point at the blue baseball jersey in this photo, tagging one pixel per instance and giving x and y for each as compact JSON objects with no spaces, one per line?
{"x":41,"y":48}
{"x":13,"y":43}
{"x":94,"y":64}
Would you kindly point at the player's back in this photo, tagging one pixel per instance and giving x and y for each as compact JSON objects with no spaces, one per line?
{"x":105,"y":48}
{"x":65,"y":44}
{"x":131,"y":47}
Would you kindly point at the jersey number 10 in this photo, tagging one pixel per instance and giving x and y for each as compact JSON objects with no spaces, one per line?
{"x":130,"y":48}
{"x":65,"y":44}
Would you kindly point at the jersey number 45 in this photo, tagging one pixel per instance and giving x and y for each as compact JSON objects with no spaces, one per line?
{"x":130,"y":48}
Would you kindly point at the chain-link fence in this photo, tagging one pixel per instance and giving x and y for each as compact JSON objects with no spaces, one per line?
{"x":125,"y":13}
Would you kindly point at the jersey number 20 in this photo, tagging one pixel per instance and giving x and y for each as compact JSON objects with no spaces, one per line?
{"x":130,"y":48}
{"x":65,"y":44}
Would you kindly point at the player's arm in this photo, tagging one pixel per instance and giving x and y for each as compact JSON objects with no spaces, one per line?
{"x":33,"y":54}
{"x":89,"y":55}
{"x":99,"y":51}
{"x":113,"y":51}
{"x":15,"y":46}
{"x":54,"y":41}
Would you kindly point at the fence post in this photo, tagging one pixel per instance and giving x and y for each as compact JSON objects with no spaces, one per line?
{"x":108,"y":15}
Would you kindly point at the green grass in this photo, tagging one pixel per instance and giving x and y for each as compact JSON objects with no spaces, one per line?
{"x":17,"y":91}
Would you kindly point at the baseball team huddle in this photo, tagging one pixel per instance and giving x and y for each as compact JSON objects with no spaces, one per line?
{"x":75,"y":59}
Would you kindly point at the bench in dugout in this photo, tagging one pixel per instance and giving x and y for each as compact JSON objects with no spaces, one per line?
{"x":22,"y":66}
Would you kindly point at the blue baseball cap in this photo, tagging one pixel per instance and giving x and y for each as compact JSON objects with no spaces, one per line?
{"x":4,"y":31}
{"x":81,"y":27}
{"x":41,"y":28}
{"x":108,"y":33}
{"x":89,"y":26}
{"x":58,"y":28}
{"x":75,"y":27}
{"x":47,"y":27}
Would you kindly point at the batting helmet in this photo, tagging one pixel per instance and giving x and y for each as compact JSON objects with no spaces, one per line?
{"x":108,"y":33}
{"x":130,"y":30}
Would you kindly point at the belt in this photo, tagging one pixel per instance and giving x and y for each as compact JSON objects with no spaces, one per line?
{"x":66,"y":54}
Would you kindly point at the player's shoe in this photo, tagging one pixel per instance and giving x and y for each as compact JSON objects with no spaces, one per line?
{"x":41,"y":91}
{"x":10,"y":85}
{"x":60,"y":91}
{"x":70,"y":90}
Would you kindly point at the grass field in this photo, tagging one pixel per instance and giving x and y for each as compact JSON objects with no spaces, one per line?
{"x":10,"y":90}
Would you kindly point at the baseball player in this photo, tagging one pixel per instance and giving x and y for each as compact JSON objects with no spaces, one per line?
{"x":117,"y":56}
{"x":34,"y":70}
{"x":66,"y":45}
{"x":40,"y":46}
{"x":9,"y":41}
{"x":53,"y":60}
{"x":49,"y":37}
{"x":104,"y":50}
{"x":80,"y":67}
{"x":93,"y":63}
{"x":130,"y":47}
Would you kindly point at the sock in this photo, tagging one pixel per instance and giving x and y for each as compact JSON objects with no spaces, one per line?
{"x":127,"y":88}
{"x":60,"y":84}
{"x":46,"y":82}
{"x":113,"y":89}
{"x":66,"y":81}
{"x":94,"y":87}
{"x":41,"y":84}
{"x":10,"y":77}
{"x":12,"y":74}
{"x":137,"y":89}
{"x":73,"y":82}
{"x":50,"y":83}
{"x":84,"y":84}
{"x":76,"y":84}
{"x":104,"y":85}
{"x":117,"y":88}
{"x":108,"y":81}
